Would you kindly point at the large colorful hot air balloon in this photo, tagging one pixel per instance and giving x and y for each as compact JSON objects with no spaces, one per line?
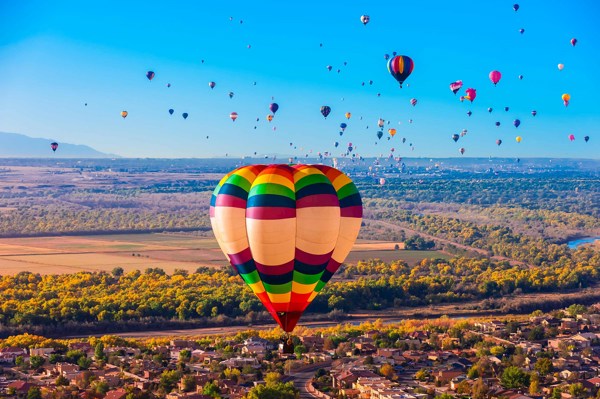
{"x":413,"y":101}
{"x":400,"y":67}
{"x":573,"y":42}
{"x":495,"y":77}
{"x":233,"y":116}
{"x":516,"y":122}
{"x":124,"y":114}
{"x":455,"y":86}
{"x":54,"y":146}
{"x":365,"y":19}
{"x":150,"y":75}
{"x":325,"y":110}
{"x":566,"y":98}
{"x":286,"y":230}
{"x":471,"y":94}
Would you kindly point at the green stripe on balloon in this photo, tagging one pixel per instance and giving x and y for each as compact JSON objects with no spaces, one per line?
{"x":272,"y":188}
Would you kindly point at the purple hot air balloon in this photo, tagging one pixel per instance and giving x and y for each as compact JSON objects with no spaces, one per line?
{"x":325,"y":110}
{"x":274,"y":107}
{"x":516,"y":122}
{"x":534,"y":112}
{"x":150,"y":75}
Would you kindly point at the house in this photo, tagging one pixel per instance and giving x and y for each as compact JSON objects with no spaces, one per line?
{"x":388,"y":352}
{"x":568,"y":325}
{"x":313,"y":343}
{"x":346,"y":378}
{"x":41,"y":351}
{"x":9,"y":354}
{"x":82,"y":346}
{"x":240,"y":362}
{"x":21,"y":388}
{"x":445,"y":376}
{"x":119,"y":393}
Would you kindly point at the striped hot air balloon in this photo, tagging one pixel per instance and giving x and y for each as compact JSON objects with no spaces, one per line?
{"x":286,"y":229}
{"x":400,"y":67}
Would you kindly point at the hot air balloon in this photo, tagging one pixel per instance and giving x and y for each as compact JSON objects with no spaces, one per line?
{"x":517,"y":123}
{"x":403,"y":140}
{"x":516,"y":7}
{"x":400,"y":67}
{"x":325,"y":110}
{"x":573,"y":42}
{"x":329,"y":68}
{"x":392,"y":132}
{"x":365,"y":19}
{"x":350,"y":148}
{"x":379,"y":134}
{"x":462,"y":150}
{"x":566,"y":98}
{"x":269,"y":117}
{"x":343,"y":126}
{"x":534,"y":112}
{"x":274,"y":107}
{"x":520,"y":77}
{"x":521,"y":31}
{"x":230,"y":94}
{"x":463,"y":133}
{"x":185,"y":115}
{"x":54,"y":146}
{"x":586,"y":138}
{"x":380,"y":122}
{"x":497,"y":124}
{"x":469,"y":113}
{"x":498,"y":142}
{"x":233,"y":116}
{"x":571,"y":137}
{"x":561,"y":67}
{"x":455,"y":137}
{"x":150,"y":75}
{"x":212,"y":85}
{"x":413,"y":101}
{"x":168,"y":84}
{"x":490,"y":110}
{"x":456,"y":86}
{"x":381,"y":181}
{"x":471,"y":93}
{"x":386,"y":56}
{"x":171,"y":111}
{"x":519,"y":139}
{"x":124,"y":114}
{"x":348,"y":115}
{"x":495,"y":77}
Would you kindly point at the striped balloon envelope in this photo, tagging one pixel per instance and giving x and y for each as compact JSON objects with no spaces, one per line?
{"x":286,"y":229}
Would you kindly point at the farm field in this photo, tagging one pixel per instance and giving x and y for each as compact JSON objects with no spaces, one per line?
{"x":69,"y":254}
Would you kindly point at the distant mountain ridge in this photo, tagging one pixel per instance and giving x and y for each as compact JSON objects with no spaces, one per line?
{"x":14,"y":145}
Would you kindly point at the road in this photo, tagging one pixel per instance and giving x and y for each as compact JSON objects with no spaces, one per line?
{"x":303,"y":376}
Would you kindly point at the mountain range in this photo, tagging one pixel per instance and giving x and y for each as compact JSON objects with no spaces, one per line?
{"x":14,"y":145}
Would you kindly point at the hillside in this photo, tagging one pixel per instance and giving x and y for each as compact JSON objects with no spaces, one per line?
{"x":15,"y":145}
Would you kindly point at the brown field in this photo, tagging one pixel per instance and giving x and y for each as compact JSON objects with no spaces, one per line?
{"x":53,"y":255}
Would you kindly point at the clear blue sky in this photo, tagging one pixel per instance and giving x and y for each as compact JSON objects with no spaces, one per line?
{"x":56,"y":56}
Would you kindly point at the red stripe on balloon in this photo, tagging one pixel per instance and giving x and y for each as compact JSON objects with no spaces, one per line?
{"x":241,"y":257}
{"x":317,"y":200}
{"x":312,"y":259}
{"x":270,"y":213}
{"x":230,"y":201}
{"x":275,"y":270}
{"x":333,"y":266}
{"x":352,"y":212}
{"x":298,"y":302}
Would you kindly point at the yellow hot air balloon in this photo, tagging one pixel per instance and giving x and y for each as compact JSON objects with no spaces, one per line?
{"x":561,"y":67}
{"x":124,"y":114}
{"x":566,"y":97}
{"x":348,"y":115}
{"x":392,"y":132}
{"x":269,"y":117}
{"x":519,"y":138}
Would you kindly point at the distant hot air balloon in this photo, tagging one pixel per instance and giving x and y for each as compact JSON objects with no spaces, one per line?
{"x":343,"y":126}
{"x":325,"y":110}
{"x":534,"y":112}
{"x":456,"y":86}
{"x":233,"y":116}
{"x":329,"y":68}
{"x":54,"y":146}
{"x":274,"y":107}
{"x":185,"y":115}
{"x":171,"y":111}
{"x":269,"y":117}
{"x":521,"y":31}
{"x":365,"y":19}
{"x":497,"y":124}
{"x":506,"y":109}
{"x":286,"y":236}
{"x":124,"y":114}
{"x":400,"y":67}
{"x":212,"y":85}
{"x":571,"y":137}
{"x":455,"y":137}
{"x":168,"y":84}
{"x":495,"y":77}
{"x":586,"y":138}
{"x":498,"y":142}
{"x":490,"y":110}
{"x":379,"y":134}
{"x":380,"y":122}
{"x":230,"y":94}
{"x":386,"y":56}
{"x":462,"y":150}
{"x":519,"y":139}
{"x":469,"y":113}
{"x":561,"y":67}
{"x":348,"y":115}
{"x":516,"y":7}
{"x":520,"y":77}
{"x":517,"y":123}
{"x":566,"y":98}
{"x":392,"y":132}
{"x":471,"y":93}
{"x":381,"y":181}
{"x":413,"y":101}
{"x":150,"y":75}
{"x":573,"y":42}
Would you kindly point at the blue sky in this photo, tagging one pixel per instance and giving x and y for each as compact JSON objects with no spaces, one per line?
{"x":57,"y":56}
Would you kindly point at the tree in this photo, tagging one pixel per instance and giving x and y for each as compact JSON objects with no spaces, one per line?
{"x":299,"y":350}
{"x":497,"y":350}
{"x":84,"y":363}
{"x":480,"y":389}
{"x":387,"y":371}
{"x":36,"y":362}
{"x":534,"y":385}
{"x":272,"y":378}
{"x":537,"y":333}
{"x":99,"y":351}
{"x":463,"y":388}
{"x":211,"y":389}
{"x":19,"y":361}
{"x":117,"y":271}
{"x":513,"y":377}
{"x":444,"y":396}
{"x":576,"y":390}
{"x":556,"y":394}
{"x":168,"y":380}
{"x":185,"y":355}
{"x":422,"y":375}
{"x":101,"y":387}
{"x":189,"y":383}
{"x":543,"y":366}
{"x":576,"y":309}
{"x":61,"y":380}
{"x":278,"y":390}
{"x":34,"y":393}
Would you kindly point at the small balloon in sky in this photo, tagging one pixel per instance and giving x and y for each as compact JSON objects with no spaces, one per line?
{"x":521,"y":31}
{"x":495,"y":77}
{"x":365,"y":19}
{"x":150,"y":75}
{"x":561,"y":67}
{"x":573,"y":43}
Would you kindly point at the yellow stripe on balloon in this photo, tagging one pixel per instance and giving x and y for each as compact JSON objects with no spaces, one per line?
{"x":311,"y":297}
{"x":303,"y":172}
{"x":247,"y":174}
{"x":340,"y":181}
{"x":274,"y":178}
{"x":298,"y":288}
{"x":279,"y":298}
{"x":258,"y":287}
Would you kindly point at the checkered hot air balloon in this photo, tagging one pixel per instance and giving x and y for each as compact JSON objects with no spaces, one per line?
{"x":286,"y":229}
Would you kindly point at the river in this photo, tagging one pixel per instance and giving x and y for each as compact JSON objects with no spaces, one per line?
{"x":580,"y":241}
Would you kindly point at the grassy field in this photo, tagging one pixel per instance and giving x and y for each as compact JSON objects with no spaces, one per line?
{"x":52,"y":255}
